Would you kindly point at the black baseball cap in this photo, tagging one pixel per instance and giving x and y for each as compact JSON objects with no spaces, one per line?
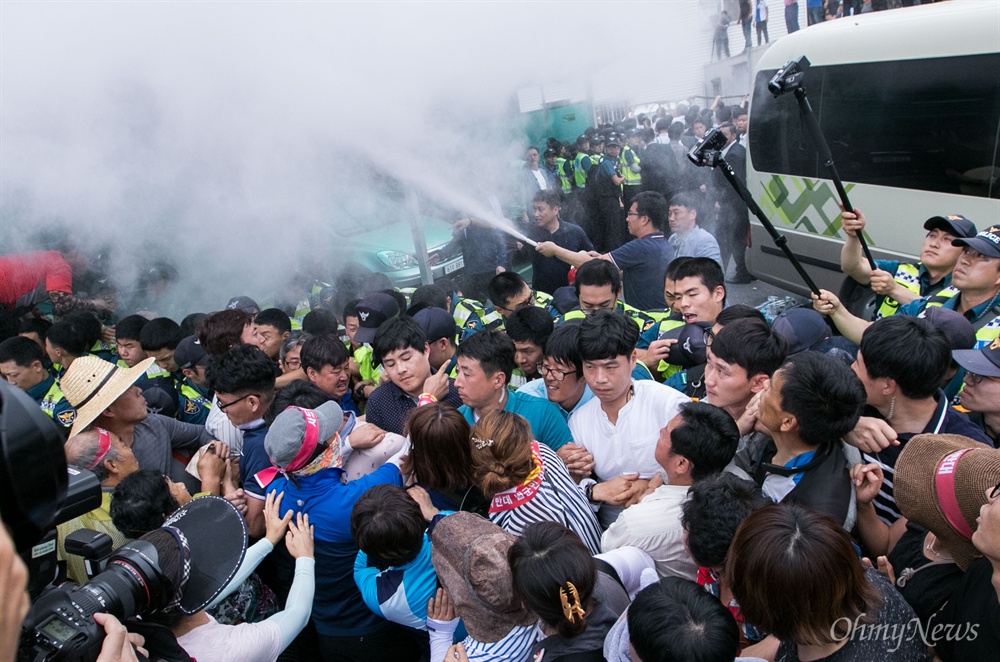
{"x":190,"y":353}
{"x":954,"y":224}
{"x":243,"y":303}
{"x":437,"y":323}
{"x":690,"y":348}
{"x":985,"y":361}
{"x":373,"y":310}
{"x":802,"y":329}
{"x":986,"y":242}
{"x":953,"y":324}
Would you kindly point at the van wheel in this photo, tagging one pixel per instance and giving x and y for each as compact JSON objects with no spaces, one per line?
{"x":857,"y":298}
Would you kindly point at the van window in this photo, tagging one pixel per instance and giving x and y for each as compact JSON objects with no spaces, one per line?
{"x":928,"y":124}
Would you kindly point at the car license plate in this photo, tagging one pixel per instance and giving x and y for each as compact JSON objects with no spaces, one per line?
{"x":454,"y":266}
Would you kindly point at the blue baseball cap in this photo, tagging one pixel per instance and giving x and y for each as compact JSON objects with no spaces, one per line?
{"x":954,"y":224}
{"x":985,"y":361}
{"x":986,"y":242}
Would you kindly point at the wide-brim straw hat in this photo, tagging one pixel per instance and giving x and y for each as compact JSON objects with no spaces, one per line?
{"x":941,"y":482}
{"x":92,"y":384}
{"x":469,"y":554}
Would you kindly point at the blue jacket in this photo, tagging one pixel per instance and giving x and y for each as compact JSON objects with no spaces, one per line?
{"x":338,"y":608}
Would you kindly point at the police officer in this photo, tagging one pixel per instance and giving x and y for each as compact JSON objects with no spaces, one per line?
{"x":21,"y":364}
{"x":898,"y":283}
{"x":606,"y":228}
{"x":629,"y":163}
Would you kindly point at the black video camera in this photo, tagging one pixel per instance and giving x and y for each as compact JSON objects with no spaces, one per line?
{"x":708,"y":152}
{"x":789,"y":77}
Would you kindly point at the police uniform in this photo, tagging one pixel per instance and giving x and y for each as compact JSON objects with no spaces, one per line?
{"x":914,"y":277}
{"x":633,"y":180}
{"x":193,"y":402}
{"x":50,"y":398}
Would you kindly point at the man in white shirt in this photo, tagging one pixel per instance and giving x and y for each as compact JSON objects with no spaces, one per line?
{"x":621,"y":425}
{"x":698,"y":443}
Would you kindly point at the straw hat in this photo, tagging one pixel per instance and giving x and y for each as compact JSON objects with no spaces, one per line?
{"x":941,"y":482}
{"x":92,"y":384}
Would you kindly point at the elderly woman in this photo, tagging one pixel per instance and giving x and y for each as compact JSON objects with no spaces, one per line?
{"x":796,"y":575}
{"x":526,"y":481}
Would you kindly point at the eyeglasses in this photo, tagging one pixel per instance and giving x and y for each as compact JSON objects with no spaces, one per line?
{"x":293,"y":364}
{"x":972,"y":378}
{"x":557,"y":375}
{"x":521,"y":304}
{"x":709,"y":337}
{"x":224,"y":407}
{"x":995,"y":493}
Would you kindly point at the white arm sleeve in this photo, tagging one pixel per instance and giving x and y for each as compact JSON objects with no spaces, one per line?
{"x":629,"y":563}
{"x":441,"y":634}
{"x":255,"y":554}
{"x":298,"y":606}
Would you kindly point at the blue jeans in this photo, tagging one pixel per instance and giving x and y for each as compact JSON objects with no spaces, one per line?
{"x":792,"y":17}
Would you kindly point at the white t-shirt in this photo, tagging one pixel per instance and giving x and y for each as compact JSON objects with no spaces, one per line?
{"x":628,"y":445}
{"x":540,"y":178}
{"x":247,"y":642}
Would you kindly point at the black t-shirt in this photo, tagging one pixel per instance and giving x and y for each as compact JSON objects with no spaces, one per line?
{"x":868,"y":644}
{"x":550,"y":273}
{"x":926,"y":585}
{"x":972,"y":608}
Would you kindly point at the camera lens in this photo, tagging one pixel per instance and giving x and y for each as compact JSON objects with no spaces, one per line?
{"x":132,"y":584}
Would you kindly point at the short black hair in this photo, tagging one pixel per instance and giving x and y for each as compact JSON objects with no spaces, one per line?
{"x":428,"y":296}
{"x":675,"y":130}
{"x":397,"y":296}
{"x":395,"y":334}
{"x":607,"y":334}
{"x":684,"y":199}
{"x":319,"y":322}
{"x":191,"y":323}
{"x":160,"y":333}
{"x":39,"y":325}
{"x":714,"y":509}
{"x":564,"y":346}
{"x":823,"y":394}
{"x":505,"y":286}
{"x":653,"y":205}
{"x":598,"y":273}
{"x":751,"y":344}
{"x":704,"y":269}
{"x":675,"y":620}
{"x":351,"y":309}
{"x":299,"y":393}
{"x":75,"y":333}
{"x":22,"y":351}
{"x":323,"y":350}
{"x":707,"y":436}
{"x":529,"y":324}
{"x":129,"y":328}
{"x":242,"y":369}
{"x":141,"y":502}
{"x":388,"y":526}
{"x":738,"y":311}
{"x":548,"y":196}
{"x":275,"y":317}
{"x":493,"y":349}
{"x":908,"y":350}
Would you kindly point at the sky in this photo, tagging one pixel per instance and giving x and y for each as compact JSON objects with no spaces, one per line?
{"x":219,"y":135}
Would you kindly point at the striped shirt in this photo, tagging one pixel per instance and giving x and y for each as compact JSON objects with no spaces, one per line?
{"x":514,"y":647}
{"x":945,"y":420}
{"x":559,"y":500}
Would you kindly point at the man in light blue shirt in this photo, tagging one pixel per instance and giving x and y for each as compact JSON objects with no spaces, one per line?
{"x":689,"y":240}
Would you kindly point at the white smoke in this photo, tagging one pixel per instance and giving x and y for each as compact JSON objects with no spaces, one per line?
{"x":219,"y":135}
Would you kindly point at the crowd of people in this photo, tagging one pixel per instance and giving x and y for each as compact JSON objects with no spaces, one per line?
{"x":609,"y":462}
